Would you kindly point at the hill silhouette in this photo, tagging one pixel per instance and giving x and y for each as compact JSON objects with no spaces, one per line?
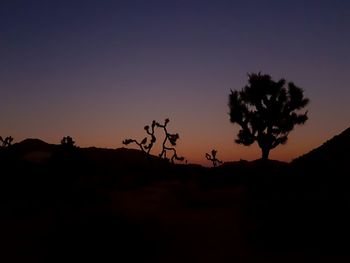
{"x":332,"y":153}
{"x":307,"y":209}
{"x":107,"y":205}
{"x":121,"y":155}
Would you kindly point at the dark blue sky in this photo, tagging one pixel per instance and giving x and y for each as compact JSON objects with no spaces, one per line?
{"x":100,"y":70}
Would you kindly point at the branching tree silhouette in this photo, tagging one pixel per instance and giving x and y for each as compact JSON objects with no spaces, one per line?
{"x":212,"y":157}
{"x":143,"y":144}
{"x":171,"y":138}
{"x":6,"y":142}
{"x":266,"y":110}
{"x":168,"y":137}
{"x":68,"y":142}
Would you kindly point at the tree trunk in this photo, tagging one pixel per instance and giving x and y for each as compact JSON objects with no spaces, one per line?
{"x":265,"y":153}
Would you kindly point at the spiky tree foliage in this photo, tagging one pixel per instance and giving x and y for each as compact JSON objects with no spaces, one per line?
{"x":143,"y":144}
{"x":67,"y":142}
{"x":267,"y":111}
{"x":212,"y":157}
{"x":169,"y":138}
{"x":6,"y":142}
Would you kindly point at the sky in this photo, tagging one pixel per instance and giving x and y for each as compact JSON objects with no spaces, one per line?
{"x":99,"y":71}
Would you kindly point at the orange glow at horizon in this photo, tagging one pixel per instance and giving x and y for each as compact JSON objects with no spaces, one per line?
{"x":99,"y":71}
{"x":192,"y":145}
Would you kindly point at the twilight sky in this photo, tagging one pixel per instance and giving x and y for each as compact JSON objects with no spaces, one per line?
{"x":101,"y":70}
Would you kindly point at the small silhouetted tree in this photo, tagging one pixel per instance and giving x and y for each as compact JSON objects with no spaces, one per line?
{"x":168,"y":138}
{"x":68,"y":142}
{"x":172,"y":139}
{"x":6,"y":142}
{"x":212,"y":157}
{"x":143,"y":144}
{"x":266,"y":110}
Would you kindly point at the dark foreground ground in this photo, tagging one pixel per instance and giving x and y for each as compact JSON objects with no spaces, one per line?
{"x":121,"y":206}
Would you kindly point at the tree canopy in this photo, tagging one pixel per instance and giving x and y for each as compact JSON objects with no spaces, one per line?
{"x":267,"y":111}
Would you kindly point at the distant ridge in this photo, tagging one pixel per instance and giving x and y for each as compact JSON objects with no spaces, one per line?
{"x":34,"y":150}
{"x":37,"y":150}
{"x":121,"y":157}
{"x":32,"y":141}
{"x":32,"y":144}
{"x":334,"y":151}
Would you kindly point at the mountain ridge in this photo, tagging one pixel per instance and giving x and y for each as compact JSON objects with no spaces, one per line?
{"x":335,"y":150}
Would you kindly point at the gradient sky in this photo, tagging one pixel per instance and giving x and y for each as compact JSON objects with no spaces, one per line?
{"x":100,"y":70}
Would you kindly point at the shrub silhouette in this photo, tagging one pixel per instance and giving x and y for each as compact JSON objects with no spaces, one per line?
{"x":67,"y":142}
{"x":171,"y":138}
{"x":168,"y":138}
{"x":266,"y":111}
{"x":143,"y":144}
{"x":6,"y":142}
{"x":212,"y":157}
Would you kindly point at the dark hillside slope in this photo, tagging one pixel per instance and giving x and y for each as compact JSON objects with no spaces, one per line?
{"x":311,"y":208}
{"x":335,"y":153}
{"x":29,"y":145}
{"x":122,"y":204}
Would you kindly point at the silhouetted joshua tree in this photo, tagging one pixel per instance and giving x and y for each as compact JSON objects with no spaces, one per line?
{"x":171,"y":138}
{"x":7,"y":142}
{"x":267,"y":111}
{"x":143,"y":144}
{"x":212,"y":157}
{"x":68,"y":142}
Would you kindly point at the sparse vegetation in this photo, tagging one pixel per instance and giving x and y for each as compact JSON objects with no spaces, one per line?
{"x":212,"y":157}
{"x":168,"y":138}
{"x":68,"y":142}
{"x":171,"y":138}
{"x":6,"y":142}
{"x":143,"y":144}
{"x":86,"y":197}
{"x":266,"y":111}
